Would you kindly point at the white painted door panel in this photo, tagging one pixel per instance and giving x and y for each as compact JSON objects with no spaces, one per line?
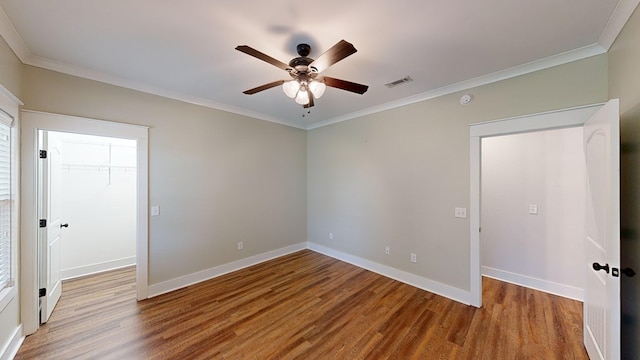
{"x":602,"y":246}
{"x":50,"y":236}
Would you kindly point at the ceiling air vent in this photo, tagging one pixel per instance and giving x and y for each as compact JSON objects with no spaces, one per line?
{"x":399,"y":82}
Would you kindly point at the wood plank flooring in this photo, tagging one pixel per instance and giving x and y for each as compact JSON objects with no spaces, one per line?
{"x":303,"y":306}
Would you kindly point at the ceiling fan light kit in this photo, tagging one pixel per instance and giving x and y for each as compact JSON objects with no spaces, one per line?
{"x":306,"y":84}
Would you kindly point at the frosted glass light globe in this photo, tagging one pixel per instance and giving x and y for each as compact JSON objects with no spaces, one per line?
{"x":291,"y":88}
{"x":317,"y":88}
{"x":303,"y":97}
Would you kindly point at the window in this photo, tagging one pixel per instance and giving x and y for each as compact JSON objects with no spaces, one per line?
{"x":7,"y":207}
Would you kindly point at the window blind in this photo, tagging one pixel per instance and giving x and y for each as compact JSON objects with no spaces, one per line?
{"x":5,"y":201}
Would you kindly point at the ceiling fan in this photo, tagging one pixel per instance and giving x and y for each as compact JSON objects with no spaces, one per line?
{"x":306,"y":83}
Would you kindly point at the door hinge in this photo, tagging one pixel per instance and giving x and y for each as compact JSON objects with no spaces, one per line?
{"x":42,"y":292}
{"x":43,"y":154}
{"x":43,"y":223}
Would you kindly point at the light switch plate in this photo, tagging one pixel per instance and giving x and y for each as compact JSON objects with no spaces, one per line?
{"x":461,"y":213}
{"x":533,"y":209}
{"x":155,"y":210}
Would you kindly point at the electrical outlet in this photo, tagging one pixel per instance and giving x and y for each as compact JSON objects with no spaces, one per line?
{"x":330,"y":236}
{"x":240,"y":245}
{"x":414,"y":258}
{"x":387,"y":250}
{"x":461,"y":213}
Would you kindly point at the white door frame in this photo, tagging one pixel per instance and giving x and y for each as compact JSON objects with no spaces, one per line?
{"x":557,"y":119}
{"x":31,"y":122}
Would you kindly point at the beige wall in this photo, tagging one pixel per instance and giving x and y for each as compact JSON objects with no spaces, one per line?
{"x":10,"y":69}
{"x":624,"y":83}
{"x":218,"y":178}
{"x":624,"y":69}
{"x":394,"y":178}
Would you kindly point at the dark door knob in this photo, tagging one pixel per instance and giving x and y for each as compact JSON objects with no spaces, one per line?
{"x":598,"y":267}
{"x":64,"y":225}
{"x":629,"y":272}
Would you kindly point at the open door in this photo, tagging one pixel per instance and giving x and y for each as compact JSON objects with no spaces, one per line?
{"x":50,"y":179}
{"x":602,"y":247}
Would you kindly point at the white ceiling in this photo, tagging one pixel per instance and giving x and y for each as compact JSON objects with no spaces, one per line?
{"x":185,"y":49}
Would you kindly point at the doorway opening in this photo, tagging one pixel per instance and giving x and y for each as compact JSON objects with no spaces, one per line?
{"x":87,"y":195}
{"x":600,"y":124}
{"x":34,"y":122}
{"x":533,"y":205}
{"x":567,"y":118}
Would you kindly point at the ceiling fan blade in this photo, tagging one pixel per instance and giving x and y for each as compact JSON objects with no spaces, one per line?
{"x":263,"y":87}
{"x":338,"y":52}
{"x":345,"y":85}
{"x":262,"y":56}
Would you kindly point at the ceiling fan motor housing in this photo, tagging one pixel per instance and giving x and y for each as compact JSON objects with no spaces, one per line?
{"x":301,"y":63}
{"x":303,"y":49}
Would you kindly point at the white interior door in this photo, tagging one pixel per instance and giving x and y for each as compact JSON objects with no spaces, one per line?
{"x":50,"y":176}
{"x":602,"y":248}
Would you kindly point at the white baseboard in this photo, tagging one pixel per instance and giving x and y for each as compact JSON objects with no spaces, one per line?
{"x":11,"y":349}
{"x":550,"y":287}
{"x":420,"y":282}
{"x":97,"y":268}
{"x":183,"y":281}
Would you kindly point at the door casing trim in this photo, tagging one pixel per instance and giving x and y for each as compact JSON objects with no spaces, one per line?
{"x":31,"y":122}
{"x":557,"y":119}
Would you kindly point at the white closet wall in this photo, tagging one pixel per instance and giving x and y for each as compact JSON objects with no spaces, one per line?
{"x":544,"y":250}
{"x":98,"y":203}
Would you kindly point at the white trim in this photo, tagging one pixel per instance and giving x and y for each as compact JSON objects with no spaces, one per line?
{"x":567,"y":57}
{"x":11,"y":348}
{"x":475,"y":281}
{"x":32,"y":121}
{"x":123,"y":130}
{"x":535,"y":122}
{"x":85,"y":270}
{"x":550,"y":287}
{"x":555,"y":119}
{"x":616,"y":22}
{"x":450,"y":292}
{"x":9,"y":104}
{"x":204,"y":275}
{"x":9,"y":94}
{"x":619,"y":17}
{"x":8,"y":294}
{"x":142,"y":217}
{"x":414,"y":280}
{"x":12,"y":37}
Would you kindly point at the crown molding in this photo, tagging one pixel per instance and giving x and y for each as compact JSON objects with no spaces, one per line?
{"x":17,"y":44}
{"x":567,"y":57}
{"x":138,"y":86}
{"x":619,"y":17}
{"x":12,"y":37}
{"x":10,"y":95}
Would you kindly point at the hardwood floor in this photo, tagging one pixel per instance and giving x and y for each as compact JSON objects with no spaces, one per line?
{"x":303,"y":306}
